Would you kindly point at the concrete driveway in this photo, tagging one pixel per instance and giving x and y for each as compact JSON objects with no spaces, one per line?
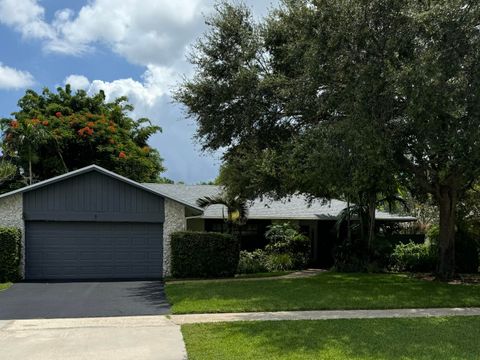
{"x":82,"y":299}
{"x":88,"y":320}
{"x":119,"y":338}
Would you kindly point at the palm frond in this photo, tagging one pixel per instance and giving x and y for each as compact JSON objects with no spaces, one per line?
{"x":212,"y":200}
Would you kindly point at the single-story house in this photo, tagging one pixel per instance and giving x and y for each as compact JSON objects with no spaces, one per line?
{"x":92,"y":224}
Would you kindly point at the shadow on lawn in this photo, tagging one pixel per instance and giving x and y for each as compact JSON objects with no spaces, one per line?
{"x":332,"y":291}
{"x":424,"y":338}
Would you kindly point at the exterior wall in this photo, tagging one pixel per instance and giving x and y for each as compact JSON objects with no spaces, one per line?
{"x":195,"y":224}
{"x":11,"y":215}
{"x":93,"y":197}
{"x":174,"y":221}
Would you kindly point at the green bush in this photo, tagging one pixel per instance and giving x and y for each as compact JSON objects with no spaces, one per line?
{"x":413,"y":257}
{"x":285,"y":239}
{"x":204,"y":254}
{"x":252,"y":262}
{"x":10,"y":254}
{"x":279,"y":262}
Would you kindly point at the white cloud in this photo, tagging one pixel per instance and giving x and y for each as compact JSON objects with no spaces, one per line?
{"x":27,"y":17}
{"x":77,"y":82}
{"x":150,"y":32}
{"x":11,"y":78}
{"x":144,"y":95}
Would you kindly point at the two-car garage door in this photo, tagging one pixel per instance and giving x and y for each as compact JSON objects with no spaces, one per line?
{"x":93,"y":250}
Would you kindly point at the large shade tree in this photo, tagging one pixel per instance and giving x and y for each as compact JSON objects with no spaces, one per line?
{"x":56,"y":132}
{"x":344,"y":98}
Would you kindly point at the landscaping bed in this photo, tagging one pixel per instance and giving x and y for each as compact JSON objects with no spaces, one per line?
{"x":419,"y":338}
{"x":326,"y":291}
{"x":5,"y":286}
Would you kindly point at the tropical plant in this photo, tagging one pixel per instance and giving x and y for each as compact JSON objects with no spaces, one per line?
{"x":252,"y":262}
{"x":24,"y":139}
{"x":286,"y":239}
{"x":237,"y":208}
{"x":413,"y":257}
{"x":56,"y":132}
{"x":7,"y":171}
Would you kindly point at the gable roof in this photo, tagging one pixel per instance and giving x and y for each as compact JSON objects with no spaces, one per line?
{"x":106,"y":172}
{"x":294,"y":208}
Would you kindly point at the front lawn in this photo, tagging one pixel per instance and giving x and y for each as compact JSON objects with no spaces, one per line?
{"x":420,"y":338}
{"x":324,"y":291}
{"x":4,"y":286}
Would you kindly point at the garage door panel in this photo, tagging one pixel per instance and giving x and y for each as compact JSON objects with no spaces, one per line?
{"x":80,"y":250}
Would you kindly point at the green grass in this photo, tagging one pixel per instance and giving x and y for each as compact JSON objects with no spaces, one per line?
{"x":325,"y":291}
{"x":4,"y":286}
{"x":420,"y":339}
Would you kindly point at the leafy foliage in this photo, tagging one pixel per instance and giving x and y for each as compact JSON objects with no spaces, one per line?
{"x":7,"y":171}
{"x":237,"y":207}
{"x":204,"y":254}
{"x":10,"y":254}
{"x":280,"y":262}
{"x":284,"y":239}
{"x":413,"y":257}
{"x":53,"y":133}
{"x":252,"y":262}
{"x":344,"y":99}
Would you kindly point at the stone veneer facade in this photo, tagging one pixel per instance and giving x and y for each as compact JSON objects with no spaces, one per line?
{"x":11,"y":210}
{"x":174,"y":221}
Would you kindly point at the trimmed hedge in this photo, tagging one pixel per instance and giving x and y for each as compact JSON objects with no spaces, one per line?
{"x":204,"y":254}
{"x":10,"y":253}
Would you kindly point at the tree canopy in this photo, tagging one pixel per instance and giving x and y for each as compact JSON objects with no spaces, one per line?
{"x":344,"y":98}
{"x":56,"y":132}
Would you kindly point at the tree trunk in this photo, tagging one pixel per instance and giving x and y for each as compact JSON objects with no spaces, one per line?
{"x":30,"y":175}
{"x":372,"y":202}
{"x":447,"y":199}
{"x":349,"y":222}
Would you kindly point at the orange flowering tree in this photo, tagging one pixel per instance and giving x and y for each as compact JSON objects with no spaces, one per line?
{"x":56,"y":132}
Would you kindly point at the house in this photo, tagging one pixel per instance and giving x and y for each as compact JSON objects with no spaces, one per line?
{"x":92,"y":224}
{"x":315,"y":219}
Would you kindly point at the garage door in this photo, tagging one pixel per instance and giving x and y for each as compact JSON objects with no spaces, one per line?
{"x":93,"y":250}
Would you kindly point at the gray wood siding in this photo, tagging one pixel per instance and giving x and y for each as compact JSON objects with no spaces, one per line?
{"x":93,"y":197}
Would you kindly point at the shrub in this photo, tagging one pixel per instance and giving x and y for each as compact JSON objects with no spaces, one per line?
{"x":279,"y":262}
{"x":285,"y":239}
{"x":413,"y":257}
{"x":10,"y":254}
{"x":252,"y":262}
{"x":204,"y":254}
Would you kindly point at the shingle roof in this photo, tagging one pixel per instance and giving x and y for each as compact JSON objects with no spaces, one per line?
{"x":295,"y":208}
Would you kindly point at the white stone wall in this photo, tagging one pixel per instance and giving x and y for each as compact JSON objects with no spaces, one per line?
{"x":11,"y":215}
{"x":174,"y":221}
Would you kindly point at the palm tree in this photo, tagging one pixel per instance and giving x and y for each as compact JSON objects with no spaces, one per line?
{"x":7,"y":171}
{"x":29,"y":136}
{"x":237,"y":208}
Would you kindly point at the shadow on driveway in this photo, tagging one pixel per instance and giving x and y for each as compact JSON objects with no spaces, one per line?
{"x":42,"y":300}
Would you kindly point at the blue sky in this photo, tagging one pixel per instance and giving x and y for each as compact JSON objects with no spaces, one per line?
{"x":130,"y":47}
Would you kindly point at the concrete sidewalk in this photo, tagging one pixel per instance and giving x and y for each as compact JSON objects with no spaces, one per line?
{"x":119,"y":338}
{"x":322,"y":315}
